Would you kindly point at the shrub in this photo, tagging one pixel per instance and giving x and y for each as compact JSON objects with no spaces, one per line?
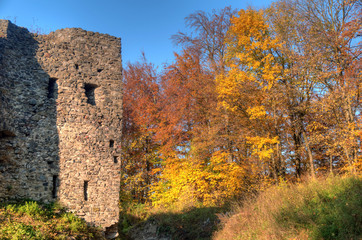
{"x":17,"y":231}
{"x":31,"y":208}
{"x":31,"y":220}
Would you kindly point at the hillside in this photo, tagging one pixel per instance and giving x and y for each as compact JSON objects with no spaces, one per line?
{"x":318,"y":209}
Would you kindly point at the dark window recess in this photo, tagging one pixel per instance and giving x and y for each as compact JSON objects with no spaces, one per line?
{"x":52,"y":87}
{"x":76,"y":66}
{"x":115,"y":159}
{"x":55,"y":186}
{"x":89,"y":92}
{"x":111,"y":143}
{"x":85,"y":190}
{"x":6,"y":134}
{"x":99,"y":70}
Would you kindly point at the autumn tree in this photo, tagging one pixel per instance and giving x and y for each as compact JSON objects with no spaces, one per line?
{"x":279,"y":55}
{"x":298,"y":83}
{"x":187,"y":92}
{"x":335,"y":27}
{"x":209,"y":31}
{"x":321,"y":42}
{"x":208,"y":35}
{"x":140,"y":105}
{"x":188,"y":99}
{"x":248,"y":90}
{"x":192,"y":128}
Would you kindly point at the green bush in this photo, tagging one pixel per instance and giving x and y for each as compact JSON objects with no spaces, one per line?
{"x":17,"y":231}
{"x":73,"y":223}
{"x":31,"y":220}
{"x":32,"y":209}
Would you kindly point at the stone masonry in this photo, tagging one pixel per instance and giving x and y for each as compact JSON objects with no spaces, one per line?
{"x":60,"y":120}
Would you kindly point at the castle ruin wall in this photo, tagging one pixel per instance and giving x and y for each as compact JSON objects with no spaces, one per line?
{"x":61,"y":119}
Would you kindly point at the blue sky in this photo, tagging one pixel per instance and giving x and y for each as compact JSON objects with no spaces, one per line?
{"x":143,"y":25}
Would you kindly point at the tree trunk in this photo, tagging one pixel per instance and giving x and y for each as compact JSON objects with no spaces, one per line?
{"x":311,"y":162}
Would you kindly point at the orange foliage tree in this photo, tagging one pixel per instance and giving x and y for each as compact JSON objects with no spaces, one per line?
{"x":199,"y":165}
{"x":140,"y":110}
{"x":194,"y":170}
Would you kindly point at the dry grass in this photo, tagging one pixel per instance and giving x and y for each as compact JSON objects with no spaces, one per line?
{"x":318,"y":209}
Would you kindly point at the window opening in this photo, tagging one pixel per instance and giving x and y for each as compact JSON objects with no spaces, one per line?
{"x":52,"y":87}
{"x":85,"y":189}
{"x":111,"y":143}
{"x":89,"y":92}
{"x":115,"y":159}
{"x":55,"y":186}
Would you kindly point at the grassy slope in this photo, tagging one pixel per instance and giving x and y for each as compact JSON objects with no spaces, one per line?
{"x":29,"y":220}
{"x":319,"y":209}
{"x":177,"y":224}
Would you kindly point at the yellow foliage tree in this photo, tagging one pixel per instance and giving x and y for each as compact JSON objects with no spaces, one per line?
{"x":189,"y":182}
{"x":254,"y":71}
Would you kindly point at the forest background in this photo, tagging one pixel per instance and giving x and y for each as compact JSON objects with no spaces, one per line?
{"x":253,"y":99}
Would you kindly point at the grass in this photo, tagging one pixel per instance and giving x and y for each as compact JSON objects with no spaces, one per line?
{"x":194,"y":223}
{"x":31,"y":220}
{"x":328,"y":208}
{"x":171,"y":223}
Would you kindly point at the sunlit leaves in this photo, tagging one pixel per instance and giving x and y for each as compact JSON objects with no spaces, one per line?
{"x":194,"y":181}
{"x":264,"y":147}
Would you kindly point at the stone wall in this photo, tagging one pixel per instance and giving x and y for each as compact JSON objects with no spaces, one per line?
{"x":60,"y":119}
{"x":28,"y":134}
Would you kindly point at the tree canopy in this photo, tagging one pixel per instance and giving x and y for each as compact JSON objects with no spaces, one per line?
{"x":254,"y":97}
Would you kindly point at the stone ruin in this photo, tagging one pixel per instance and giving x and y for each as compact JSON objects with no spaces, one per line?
{"x":60,"y":120}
